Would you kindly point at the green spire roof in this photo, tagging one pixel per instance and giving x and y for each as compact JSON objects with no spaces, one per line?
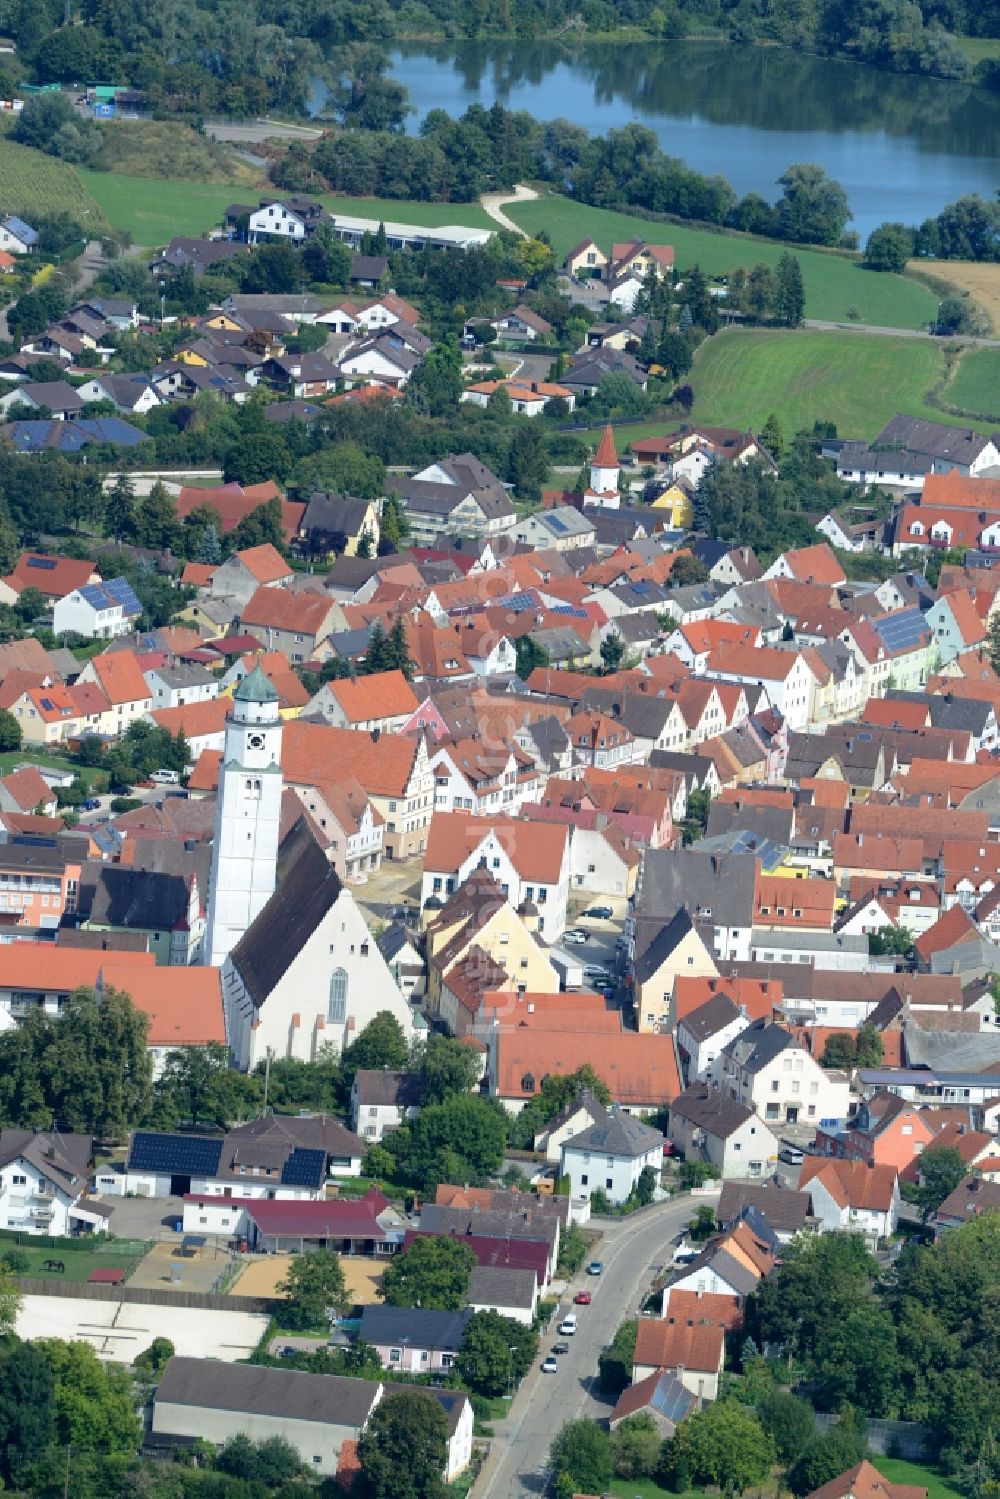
{"x":255,"y":688}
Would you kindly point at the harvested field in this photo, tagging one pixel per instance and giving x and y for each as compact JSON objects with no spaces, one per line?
{"x":981,"y":279}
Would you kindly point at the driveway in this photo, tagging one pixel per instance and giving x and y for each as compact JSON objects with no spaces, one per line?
{"x":143,"y":1217}
{"x":494,"y":203}
{"x":631,"y":1247}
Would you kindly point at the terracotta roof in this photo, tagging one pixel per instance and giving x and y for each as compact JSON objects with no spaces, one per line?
{"x":765,"y":664}
{"x":955,"y":926}
{"x":678,"y":1345}
{"x":757,"y":996}
{"x":864,"y":1481}
{"x":194,"y":720}
{"x":28,"y":788}
{"x":851,"y":1183}
{"x":265,"y":563}
{"x":315,"y":753}
{"x":638,"y":1069}
{"x":56,"y":969}
{"x":815,"y":564}
{"x":280,"y":609}
{"x":813,"y":896}
{"x":607,"y":454}
{"x":707,"y":1306}
{"x":180,"y":1014}
{"x":537,"y":850}
{"x":120,"y":675}
{"x":955,"y":489}
{"x":52,"y":576}
{"x":198,"y":574}
{"x":234,"y":503}
{"x":384,"y":694}
{"x":966,"y":616}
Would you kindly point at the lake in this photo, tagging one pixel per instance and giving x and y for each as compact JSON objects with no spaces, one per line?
{"x":902,"y":146}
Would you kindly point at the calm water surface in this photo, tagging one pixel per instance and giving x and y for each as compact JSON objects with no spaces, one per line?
{"x":901,"y":146}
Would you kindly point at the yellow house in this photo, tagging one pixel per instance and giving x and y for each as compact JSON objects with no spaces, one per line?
{"x":223,"y":321}
{"x":676,"y":500}
{"x":479,"y":915}
{"x":677,"y":951}
{"x":586,"y":259}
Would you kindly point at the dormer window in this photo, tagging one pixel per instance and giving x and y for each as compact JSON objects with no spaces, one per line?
{"x":528,"y":1083}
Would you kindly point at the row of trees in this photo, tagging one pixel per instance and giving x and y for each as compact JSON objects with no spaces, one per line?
{"x":968,"y":229}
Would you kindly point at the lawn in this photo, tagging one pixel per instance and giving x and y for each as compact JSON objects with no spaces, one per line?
{"x":978,"y":48}
{"x":645,"y":1488}
{"x":898,"y":1470}
{"x":34,"y":183}
{"x":833,"y":283}
{"x":858,"y":381}
{"x":154,"y":209}
{"x":88,"y":775}
{"x":975,"y":385}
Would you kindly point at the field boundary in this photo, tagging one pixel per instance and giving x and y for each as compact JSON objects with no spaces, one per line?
{"x":149,"y":1296}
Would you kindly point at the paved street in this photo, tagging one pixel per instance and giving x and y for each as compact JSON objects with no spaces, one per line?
{"x":630,"y":1249}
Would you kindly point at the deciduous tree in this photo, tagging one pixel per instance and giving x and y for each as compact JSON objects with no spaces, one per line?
{"x":314,"y":1284}
{"x":433,"y":1274}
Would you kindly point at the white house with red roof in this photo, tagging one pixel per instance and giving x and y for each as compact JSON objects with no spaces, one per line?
{"x":529,"y":861}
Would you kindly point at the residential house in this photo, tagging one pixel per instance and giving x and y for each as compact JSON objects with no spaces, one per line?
{"x":294,"y":623}
{"x":458,"y":494}
{"x":53,"y":577}
{"x":120,"y":677}
{"x":512,"y":1293}
{"x":335,"y":524}
{"x":693,"y":1352}
{"x":17,"y":237}
{"x":44,"y":1178}
{"x":853,"y":1197}
{"x":413,"y":1339}
{"x":242,"y":574}
{"x":610,"y":1156}
{"x":677,"y":950}
{"x":707,"y":1124}
{"x":382,"y":1100}
{"x":175,"y":686}
{"x":768,"y":1070}
{"x":382,"y":702}
{"x":661,"y":1397}
{"x":529,"y":862}
{"x":54,"y":398}
{"x":702,"y":1034}
{"x":100,"y":611}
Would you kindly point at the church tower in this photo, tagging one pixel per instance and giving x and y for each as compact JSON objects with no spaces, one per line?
{"x":247,"y":816}
{"x":604,"y":472}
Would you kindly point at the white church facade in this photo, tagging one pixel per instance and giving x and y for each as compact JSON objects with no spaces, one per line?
{"x":299,"y":966}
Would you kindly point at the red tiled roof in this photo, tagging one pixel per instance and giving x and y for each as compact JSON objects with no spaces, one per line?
{"x":265,"y":563}
{"x":676,"y":1345}
{"x":955,"y":926}
{"x":851,"y":1183}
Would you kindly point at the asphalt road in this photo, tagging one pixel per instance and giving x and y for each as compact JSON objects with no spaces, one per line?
{"x":517,"y":1465}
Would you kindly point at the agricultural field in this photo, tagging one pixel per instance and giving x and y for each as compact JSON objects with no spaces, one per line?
{"x":980,"y":278}
{"x":740,"y":376}
{"x":834,"y":284}
{"x":975,"y":385}
{"x":34,"y":183}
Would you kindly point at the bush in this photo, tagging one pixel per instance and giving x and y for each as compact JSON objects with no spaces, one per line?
{"x":16,"y":1261}
{"x":125,"y":803}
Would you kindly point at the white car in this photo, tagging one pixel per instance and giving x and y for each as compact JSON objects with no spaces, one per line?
{"x":576,"y":937}
{"x":550,"y":1365}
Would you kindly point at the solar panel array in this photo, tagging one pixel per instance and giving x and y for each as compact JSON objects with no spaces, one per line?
{"x":175,"y":1155}
{"x":43,"y":564}
{"x":304,"y":1168}
{"x":905,"y":628}
{"x":123,"y":593}
{"x":671,"y":1399}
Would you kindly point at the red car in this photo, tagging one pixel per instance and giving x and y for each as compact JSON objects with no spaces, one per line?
{"x":583,"y":1298}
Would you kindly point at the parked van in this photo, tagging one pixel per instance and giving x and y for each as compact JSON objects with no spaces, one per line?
{"x":165,"y":778}
{"x":567,"y":1326}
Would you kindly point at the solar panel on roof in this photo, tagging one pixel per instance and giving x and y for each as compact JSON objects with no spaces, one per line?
{"x":175,"y":1155}
{"x":304,"y":1168}
{"x":123,"y":593}
{"x":671,"y":1399}
{"x":44,"y":564}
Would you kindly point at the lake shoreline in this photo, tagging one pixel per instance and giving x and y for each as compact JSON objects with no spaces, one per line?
{"x":629,"y":35}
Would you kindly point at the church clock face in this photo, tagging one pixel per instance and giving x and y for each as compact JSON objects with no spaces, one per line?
{"x":255,"y":741}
